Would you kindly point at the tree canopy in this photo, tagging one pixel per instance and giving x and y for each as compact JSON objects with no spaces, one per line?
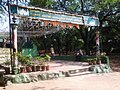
{"x":108,"y":12}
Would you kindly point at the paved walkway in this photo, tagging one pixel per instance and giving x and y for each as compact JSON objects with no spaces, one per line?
{"x":59,"y":65}
{"x":108,"y":81}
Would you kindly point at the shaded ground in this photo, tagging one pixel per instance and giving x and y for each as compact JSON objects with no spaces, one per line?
{"x":115,"y":62}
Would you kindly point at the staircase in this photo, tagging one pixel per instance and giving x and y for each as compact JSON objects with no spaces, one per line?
{"x":78,"y":72}
{"x":72,"y":68}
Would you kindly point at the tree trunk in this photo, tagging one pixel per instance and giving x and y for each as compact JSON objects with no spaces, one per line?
{"x":82,"y":6}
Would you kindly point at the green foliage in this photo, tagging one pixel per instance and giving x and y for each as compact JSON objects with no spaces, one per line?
{"x":43,"y":59}
{"x":42,"y":3}
{"x":40,"y":59}
{"x":7,"y":62}
{"x":108,"y":12}
{"x":47,"y":57}
{"x":24,"y":59}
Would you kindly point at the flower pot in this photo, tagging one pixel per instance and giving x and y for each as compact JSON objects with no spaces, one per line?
{"x":7,"y":70}
{"x":37,"y":68}
{"x":47,"y":67}
{"x":43,"y":68}
{"x":94,"y":62}
{"x":99,"y":62}
{"x":28,"y":69}
{"x":33,"y":68}
{"x":22,"y":70}
{"x":90,"y":62}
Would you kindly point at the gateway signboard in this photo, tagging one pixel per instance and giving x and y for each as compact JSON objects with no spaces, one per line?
{"x":91,"y":21}
{"x":43,"y":14}
{"x":55,"y":17}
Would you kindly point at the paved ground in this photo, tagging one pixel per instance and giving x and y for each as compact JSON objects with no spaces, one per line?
{"x":108,"y":81}
{"x":60,"y":65}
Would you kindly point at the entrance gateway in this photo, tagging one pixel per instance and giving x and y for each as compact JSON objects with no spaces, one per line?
{"x":33,"y":21}
{"x":28,"y":17}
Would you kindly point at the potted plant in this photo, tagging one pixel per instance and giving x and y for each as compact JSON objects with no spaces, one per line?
{"x":99,"y":61}
{"x":43,"y":64}
{"x":47,"y":66}
{"x":47,"y":60}
{"x":29,"y":66}
{"x":90,"y":61}
{"x":38,"y":67}
{"x":33,"y":66}
{"x":94,"y":61}
{"x":47,"y":57}
{"x":22,"y":69}
{"x":23,"y":61}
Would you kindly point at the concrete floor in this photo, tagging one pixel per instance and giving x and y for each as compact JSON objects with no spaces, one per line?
{"x":107,"y":81}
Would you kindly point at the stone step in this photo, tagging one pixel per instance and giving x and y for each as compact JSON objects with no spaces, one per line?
{"x":79,"y":71}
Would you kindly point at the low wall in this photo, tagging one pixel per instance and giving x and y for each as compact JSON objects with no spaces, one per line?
{"x":104,"y":59}
{"x":64,"y":57}
{"x":72,"y":58}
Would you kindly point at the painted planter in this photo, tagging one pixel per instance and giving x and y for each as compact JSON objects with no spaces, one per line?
{"x":94,"y":62}
{"x":99,"y":62}
{"x":28,"y":69}
{"x":33,"y":68}
{"x":22,"y":69}
{"x":90,"y":62}
{"x":43,"y":68}
{"x":47,"y":67}
{"x":37,"y":68}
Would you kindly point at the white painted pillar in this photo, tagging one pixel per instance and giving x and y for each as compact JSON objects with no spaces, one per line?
{"x":15,"y":58}
{"x":97,"y":44}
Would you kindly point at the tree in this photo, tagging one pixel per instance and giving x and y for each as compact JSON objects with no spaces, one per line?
{"x":108,"y":12}
{"x":42,"y":3}
{"x":109,"y":17}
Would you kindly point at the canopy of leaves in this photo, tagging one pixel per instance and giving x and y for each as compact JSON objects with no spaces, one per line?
{"x":108,"y":12}
{"x":42,"y":3}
